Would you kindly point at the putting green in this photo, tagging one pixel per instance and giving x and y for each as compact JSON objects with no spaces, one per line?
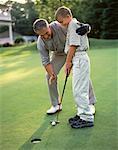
{"x":24,"y":101}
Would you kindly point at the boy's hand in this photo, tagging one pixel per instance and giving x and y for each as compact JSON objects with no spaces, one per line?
{"x":53,"y":77}
{"x":68,"y":67}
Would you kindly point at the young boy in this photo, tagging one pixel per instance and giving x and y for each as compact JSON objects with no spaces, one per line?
{"x":76,"y":47}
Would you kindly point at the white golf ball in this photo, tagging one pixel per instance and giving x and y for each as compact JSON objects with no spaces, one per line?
{"x":53,"y":123}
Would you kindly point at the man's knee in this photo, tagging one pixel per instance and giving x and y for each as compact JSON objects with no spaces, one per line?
{"x":47,"y":76}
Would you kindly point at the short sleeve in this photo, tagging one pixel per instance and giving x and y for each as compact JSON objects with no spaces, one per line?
{"x":74,"y":38}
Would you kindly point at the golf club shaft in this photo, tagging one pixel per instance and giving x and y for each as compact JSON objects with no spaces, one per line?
{"x":63,"y":89}
{"x":61,"y":98}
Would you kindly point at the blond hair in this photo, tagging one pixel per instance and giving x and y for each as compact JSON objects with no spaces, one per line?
{"x":63,"y":12}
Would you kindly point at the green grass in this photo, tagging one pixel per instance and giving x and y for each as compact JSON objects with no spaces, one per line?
{"x":24,"y":101}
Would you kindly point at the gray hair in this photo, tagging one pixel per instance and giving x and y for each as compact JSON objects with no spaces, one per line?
{"x":39,"y":24}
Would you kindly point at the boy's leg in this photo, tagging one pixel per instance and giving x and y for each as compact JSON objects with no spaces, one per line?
{"x":81,"y":76}
{"x":57,"y":62}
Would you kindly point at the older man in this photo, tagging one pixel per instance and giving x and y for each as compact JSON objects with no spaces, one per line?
{"x":51,"y":43}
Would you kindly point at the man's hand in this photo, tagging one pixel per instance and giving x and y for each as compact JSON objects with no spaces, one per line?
{"x":52,"y":78}
{"x":84,"y":29}
{"x":51,"y":73}
{"x":68,"y":67}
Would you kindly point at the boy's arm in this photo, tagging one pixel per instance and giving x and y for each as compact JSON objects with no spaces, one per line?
{"x":68,"y":64}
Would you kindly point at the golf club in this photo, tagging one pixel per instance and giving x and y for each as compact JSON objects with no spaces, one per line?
{"x":55,"y":122}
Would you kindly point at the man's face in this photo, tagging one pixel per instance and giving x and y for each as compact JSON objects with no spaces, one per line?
{"x":45,"y":33}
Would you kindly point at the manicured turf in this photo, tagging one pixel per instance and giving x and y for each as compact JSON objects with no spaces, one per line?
{"x":24,"y":101}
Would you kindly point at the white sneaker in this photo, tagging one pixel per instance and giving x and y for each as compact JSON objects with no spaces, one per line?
{"x":54,"y":109}
{"x":92,"y":109}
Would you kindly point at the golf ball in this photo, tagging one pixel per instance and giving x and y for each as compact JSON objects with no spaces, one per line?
{"x":53,"y":123}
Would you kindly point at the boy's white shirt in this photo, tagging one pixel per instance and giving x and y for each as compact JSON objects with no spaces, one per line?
{"x":73,"y":38}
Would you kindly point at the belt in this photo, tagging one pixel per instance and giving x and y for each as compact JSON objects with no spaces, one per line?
{"x":59,"y":53}
{"x":84,"y":50}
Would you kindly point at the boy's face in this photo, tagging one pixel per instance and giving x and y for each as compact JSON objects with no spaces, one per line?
{"x":64,"y":21}
{"x":45,"y":33}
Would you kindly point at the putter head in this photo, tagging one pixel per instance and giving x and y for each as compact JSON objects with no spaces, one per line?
{"x":54,"y":122}
{"x":57,"y":121}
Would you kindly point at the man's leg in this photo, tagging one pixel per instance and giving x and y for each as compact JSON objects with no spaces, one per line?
{"x":57,"y":62}
{"x":92,"y":98}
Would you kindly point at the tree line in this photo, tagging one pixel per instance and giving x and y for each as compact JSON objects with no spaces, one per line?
{"x":102,"y":15}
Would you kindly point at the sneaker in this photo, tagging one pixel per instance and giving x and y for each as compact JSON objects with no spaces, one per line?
{"x":54,"y":109}
{"x":73,"y":119}
{"x":82,"y":124}
{"x":92,"y":109}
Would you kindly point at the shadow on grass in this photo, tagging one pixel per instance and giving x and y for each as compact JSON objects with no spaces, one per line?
{"x":28,"y":145}
{"x":18,"y":50}
{"x":65,"y":139}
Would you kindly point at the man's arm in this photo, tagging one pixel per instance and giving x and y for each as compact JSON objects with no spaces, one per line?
{"x":49,"y":69}
{"x":45,"y":58}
